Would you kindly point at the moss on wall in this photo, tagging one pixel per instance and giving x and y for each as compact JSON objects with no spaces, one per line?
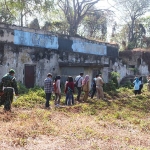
{"x":146,"y":58}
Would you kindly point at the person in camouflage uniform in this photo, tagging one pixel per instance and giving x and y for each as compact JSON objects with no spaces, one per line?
{"x":8,"y":85}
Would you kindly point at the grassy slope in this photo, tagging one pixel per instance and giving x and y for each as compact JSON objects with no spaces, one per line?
{"x":121,"y":122}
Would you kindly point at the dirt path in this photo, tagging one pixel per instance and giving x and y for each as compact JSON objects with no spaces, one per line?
{"x":29,"y":130}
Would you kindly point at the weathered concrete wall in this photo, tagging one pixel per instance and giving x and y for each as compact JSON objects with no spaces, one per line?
{"x":18,"y":57}
{"x":131,"y":63}
{"x":22,"y":47}
{"x":17,"y":60}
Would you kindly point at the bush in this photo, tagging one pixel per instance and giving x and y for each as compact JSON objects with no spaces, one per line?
{"x":114,"y":76}
{"x":29,"y":100}
{"x":21,"y":88}
{"x":128,"y":85}
{"x":112,"y":85}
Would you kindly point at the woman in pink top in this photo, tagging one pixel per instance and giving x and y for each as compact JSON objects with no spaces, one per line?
{"x":57,"y":91}
{"x":85,"y":87}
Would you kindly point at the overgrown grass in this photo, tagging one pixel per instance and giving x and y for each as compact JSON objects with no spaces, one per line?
{"x":31,"y":98}
{"x":122,"y":98}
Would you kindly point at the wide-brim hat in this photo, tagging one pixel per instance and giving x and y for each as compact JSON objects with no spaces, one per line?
{"x":12,"y":71}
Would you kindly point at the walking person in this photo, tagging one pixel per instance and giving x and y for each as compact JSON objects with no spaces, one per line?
{"x":78,"y":81}
{"x":99,"y":87}
{"x":65,"y":89}
{"x":69,"y":90}
{"x":57,"y":91}
{"x":94,"y":86}
{"x":8,"y":85}
{"x":136,"y":83}
{"x":85,"y":87}
{"x":141,"y":85}
{"x":48,"y":88}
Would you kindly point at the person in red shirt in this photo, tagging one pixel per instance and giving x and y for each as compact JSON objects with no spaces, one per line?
{"x":69,"y":90}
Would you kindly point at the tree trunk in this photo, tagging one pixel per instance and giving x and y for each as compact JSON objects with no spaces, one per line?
{"x":21,"y":19}
{"x":132,"y":30}
{"x":73,"y":30}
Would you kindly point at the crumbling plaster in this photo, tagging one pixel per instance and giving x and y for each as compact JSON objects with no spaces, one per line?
{"x":131,"y":63}
{"x":45,"y":62}
{"x":16,"y":56}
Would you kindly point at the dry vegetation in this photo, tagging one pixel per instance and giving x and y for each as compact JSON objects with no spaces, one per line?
{"x":122,"y":122}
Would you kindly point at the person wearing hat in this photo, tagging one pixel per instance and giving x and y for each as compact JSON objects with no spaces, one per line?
{"x":48,"y":88}
{"x":78,"y":82}
{"x":9,"y":85}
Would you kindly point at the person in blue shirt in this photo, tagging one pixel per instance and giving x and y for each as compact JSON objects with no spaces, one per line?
{"x":141,"y":85}
{"x":137,"y":84}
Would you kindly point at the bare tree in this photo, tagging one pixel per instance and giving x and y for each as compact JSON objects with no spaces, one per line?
{"x":75,"y":11}
{"x":95,"y":25}
{"x":131,"y":11}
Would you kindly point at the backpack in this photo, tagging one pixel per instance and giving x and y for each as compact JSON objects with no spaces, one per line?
{"x":94,"y":83}
{"x":76,"y":83}
{"x":69,"y":89}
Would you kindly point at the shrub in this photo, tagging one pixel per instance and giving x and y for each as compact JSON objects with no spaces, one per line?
{"x":112,"y":85}
{"x":29,"y":100}
{"x":21,"y":88}
{"x":128,"y":84}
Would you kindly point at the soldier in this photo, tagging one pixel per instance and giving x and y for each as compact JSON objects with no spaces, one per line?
{"x":8,"y":85}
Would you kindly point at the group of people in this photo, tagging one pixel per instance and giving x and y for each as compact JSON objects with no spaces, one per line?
{"x":8,"y":86}
{"x":80,"y":83}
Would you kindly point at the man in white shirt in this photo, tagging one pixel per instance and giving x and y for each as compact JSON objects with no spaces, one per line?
{"x":78,"y":80}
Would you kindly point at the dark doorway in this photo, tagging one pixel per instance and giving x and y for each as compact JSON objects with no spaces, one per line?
{"x":95,"y":72}
{"x":29,"y":76}
{"x":138,"y":62}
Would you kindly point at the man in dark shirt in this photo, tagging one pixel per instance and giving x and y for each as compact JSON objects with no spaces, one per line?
{"x":8,"y":85}
{"x":48,"y":88}
{"x":94,"y":86}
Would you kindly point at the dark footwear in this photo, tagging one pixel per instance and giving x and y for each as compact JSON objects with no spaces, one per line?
{"x":48,"y":108}
{"x":6,"y":110}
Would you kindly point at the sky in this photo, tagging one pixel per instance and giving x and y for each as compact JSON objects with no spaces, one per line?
{"x":105,"y":4}
{"x":108,"y":4}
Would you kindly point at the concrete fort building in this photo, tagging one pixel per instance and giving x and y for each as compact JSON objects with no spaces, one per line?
{"x":34,"y":53}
